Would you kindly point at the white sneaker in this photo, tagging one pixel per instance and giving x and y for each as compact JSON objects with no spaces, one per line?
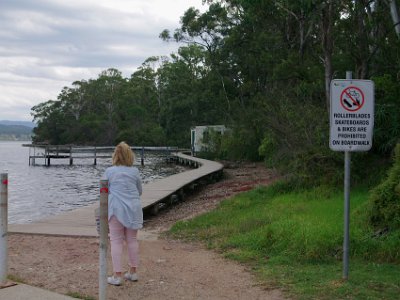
{"x":131,"y":276}
{"x":114,"y":280}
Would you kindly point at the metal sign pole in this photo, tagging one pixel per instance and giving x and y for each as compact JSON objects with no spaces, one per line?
{"x":346,"y":238}
{"x":351,"y":129}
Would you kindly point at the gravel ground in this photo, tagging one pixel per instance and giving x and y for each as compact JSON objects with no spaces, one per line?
{"x":169,"y":269}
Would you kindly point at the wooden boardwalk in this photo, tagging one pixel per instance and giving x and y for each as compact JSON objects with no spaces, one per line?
{"x":174,"y":187}
{"x":156,"y":194}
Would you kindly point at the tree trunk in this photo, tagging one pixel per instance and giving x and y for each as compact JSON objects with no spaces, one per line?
{"x":362,"y":40}
{"x":327,"y":46}
{"x":395,"y":17}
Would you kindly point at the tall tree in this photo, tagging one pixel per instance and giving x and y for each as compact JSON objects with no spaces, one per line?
{"x":395,"y":16}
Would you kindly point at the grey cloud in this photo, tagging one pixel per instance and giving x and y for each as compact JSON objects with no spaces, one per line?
{"x":51,"y":42}
{"x":65,"y":32}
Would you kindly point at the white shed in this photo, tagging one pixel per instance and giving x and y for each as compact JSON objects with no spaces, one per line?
{"x":199,"y":133}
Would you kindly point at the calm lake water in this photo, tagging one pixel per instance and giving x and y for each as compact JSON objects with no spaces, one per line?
{"x":35,"y":192}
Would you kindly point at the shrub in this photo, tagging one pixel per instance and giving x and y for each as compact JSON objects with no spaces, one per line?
{"x":384,"y":202}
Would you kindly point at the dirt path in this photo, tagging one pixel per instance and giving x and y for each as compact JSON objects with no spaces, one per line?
{"x":169,"y":269}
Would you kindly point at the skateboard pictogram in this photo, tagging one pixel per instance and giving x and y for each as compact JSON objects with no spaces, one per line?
{"x":352,"y":98}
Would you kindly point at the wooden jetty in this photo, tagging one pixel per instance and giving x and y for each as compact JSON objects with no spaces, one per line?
{"x":45,"y":153}
{"x":156,"y":195}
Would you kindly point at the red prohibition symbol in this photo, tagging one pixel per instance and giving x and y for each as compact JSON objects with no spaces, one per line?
{"x":104,"y":190}
{"x":352,"y":98}
{"x":5,"y":182}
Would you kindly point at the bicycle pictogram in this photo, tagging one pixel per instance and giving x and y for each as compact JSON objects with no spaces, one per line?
{"x":352,"y":98}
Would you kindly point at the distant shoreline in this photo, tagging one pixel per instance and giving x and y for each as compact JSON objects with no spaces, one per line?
{"x":13,"y":138}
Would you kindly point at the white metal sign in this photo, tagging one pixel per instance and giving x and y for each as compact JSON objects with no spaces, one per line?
{"x":351,"y":115}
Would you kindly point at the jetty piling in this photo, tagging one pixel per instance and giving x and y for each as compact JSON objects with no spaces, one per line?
{"x":142,"y":156}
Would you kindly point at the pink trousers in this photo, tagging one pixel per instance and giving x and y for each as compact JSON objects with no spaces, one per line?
{"x":119,"y":233}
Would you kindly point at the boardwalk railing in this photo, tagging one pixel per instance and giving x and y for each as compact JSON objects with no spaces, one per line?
{"x":45,"y":153}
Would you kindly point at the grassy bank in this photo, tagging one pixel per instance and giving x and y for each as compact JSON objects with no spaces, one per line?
{"x":293,"y":240}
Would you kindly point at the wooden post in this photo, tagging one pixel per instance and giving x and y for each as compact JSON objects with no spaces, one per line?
{"x":47,"y":156}
{"x":34,"y":156}
{"x":142,"y":156}
{"x":103,"y":239}
{"x":95,"y":156}
{"x":71,"y":159}
{"x":3,"y":228}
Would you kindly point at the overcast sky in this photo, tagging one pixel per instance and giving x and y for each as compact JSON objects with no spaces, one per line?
{"x":48,"y":44}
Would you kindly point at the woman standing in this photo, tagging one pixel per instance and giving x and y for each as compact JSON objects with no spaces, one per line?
{"x":125,"y":215}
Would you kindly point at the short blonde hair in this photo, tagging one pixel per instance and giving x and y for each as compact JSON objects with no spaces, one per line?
{"x":123,"y":155}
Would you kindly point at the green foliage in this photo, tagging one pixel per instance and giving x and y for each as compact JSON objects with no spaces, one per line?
{"x":296,"y":142}
{"x":300,"y":224}
{"x":384,"y":202}
{"x":294,"y":238}
{"x":234,"y":144}
{"x":387,"y":113}
{"x":323,"y":281}
{"x":261,"y":68}
{"x":367,"y":169}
